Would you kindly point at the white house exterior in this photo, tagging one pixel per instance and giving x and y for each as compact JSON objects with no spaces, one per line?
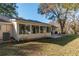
{"x":20,"y":29}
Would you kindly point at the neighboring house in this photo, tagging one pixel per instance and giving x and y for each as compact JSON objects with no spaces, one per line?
{"x":19,"y":28}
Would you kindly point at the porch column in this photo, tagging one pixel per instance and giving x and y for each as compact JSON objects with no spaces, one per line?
{"x":39,"y":29}
{"x":15,"y":30}
{"x":30,"y":29}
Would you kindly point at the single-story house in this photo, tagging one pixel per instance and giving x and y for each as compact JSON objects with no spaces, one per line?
{"x":19,"y":28}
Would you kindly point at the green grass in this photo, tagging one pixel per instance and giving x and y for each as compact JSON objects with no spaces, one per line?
{"x":60,"y":41}
{"x":65,"y":45}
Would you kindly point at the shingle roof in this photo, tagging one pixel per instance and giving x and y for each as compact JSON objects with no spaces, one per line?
{"x":22,"y":19}
{"x":34,"y":21}
{"x":1,"y":20}
{"x":31,"y":20}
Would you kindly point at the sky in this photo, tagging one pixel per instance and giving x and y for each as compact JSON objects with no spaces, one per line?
{"x":29,"y":11}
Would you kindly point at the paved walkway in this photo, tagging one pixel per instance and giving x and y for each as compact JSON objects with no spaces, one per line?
{"x":56,"y":36}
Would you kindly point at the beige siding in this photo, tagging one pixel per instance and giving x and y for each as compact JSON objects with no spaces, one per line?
{"x":5,"y":28}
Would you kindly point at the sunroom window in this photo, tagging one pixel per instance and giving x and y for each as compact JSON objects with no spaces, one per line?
{"x":24,"y":29}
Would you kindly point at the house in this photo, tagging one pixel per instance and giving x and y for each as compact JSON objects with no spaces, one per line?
{"x":19,"y":28}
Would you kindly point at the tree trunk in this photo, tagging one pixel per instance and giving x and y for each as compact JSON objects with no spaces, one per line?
{"x":62,"y":29}
{"x":75,"y":32}
{"x":62,"y":25}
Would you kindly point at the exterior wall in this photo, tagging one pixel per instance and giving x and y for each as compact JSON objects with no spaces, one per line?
{"x":11,"y":28}
{"x":5,"y":28}
{"x":30,"y":36}
{"x":15,"y":30}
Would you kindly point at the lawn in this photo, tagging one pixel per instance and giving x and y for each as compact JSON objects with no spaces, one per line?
{"x":66,"y":45}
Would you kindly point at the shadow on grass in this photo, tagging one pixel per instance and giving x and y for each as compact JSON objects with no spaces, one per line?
{"x":30,"y":49}
{"x":20,"y":50}
{"x":60,"y":41}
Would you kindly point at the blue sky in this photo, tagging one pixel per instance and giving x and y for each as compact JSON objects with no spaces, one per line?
{"x":29,"y":11}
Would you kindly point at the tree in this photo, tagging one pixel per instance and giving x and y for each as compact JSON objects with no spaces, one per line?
{"x":74,"y":22}
{"x":8,"y":9}
{"x":73,"y":26}
{"x":58,"y":11}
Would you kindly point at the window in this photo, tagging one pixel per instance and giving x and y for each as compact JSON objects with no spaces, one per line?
{"x":48,"y":29}
{"x":37,"y":29}
{"x":24,"y":29}
{"x":21,"y":29}
{"x":41,"y":29}
{"x":27,"y":29}
{"x":33,"y":29}
{"x":45,"y":29}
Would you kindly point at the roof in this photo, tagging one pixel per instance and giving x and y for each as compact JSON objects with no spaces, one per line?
{"x":31,"y":20}
{"x":1,"y":20}
{"x":22,"y":19}
{"x":6,"y":19}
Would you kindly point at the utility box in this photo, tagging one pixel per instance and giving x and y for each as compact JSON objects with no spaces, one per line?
{"x":6,"y":36}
